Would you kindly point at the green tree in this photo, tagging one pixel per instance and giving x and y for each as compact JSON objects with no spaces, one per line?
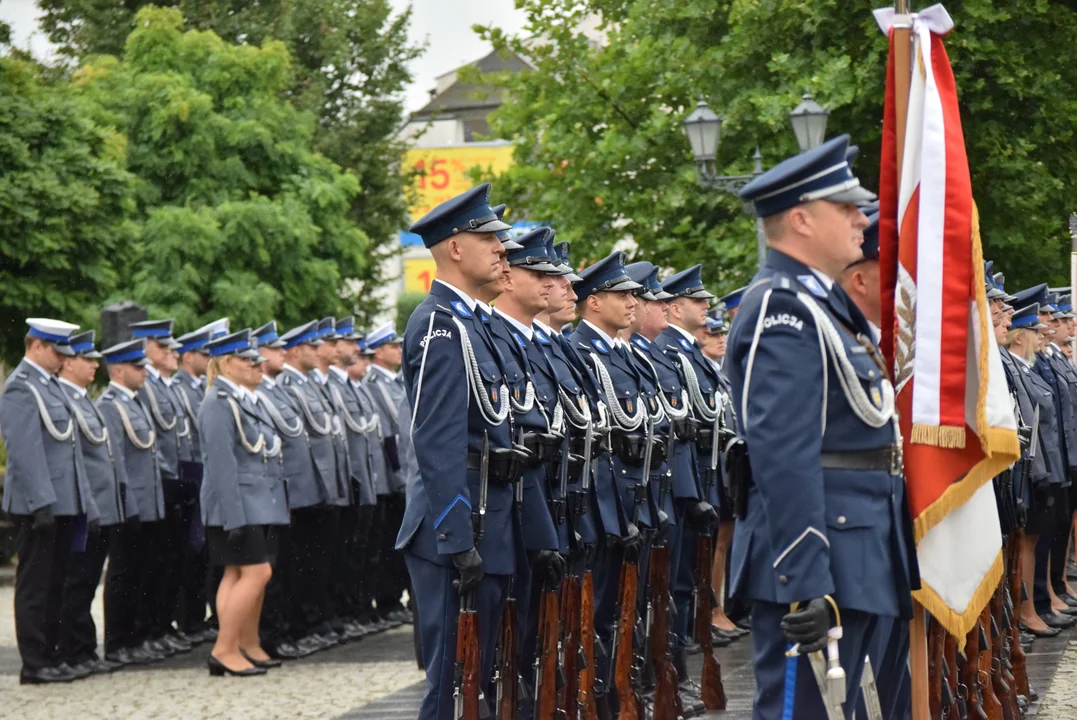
{"x":349,"y":68}
{"x":601,"y":153}
{"x":242,"y":218}
{"x":67,"y":204}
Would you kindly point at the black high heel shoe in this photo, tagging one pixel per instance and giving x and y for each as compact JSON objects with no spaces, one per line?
{"x":264,"y":664}
{"x":219,"y":669}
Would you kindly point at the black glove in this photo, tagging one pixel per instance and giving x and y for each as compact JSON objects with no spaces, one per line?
{"x":550,"y":567}
{"x":43,"y":518}
{"x":702,"y":514}
{"x":808,"y":625}
{"x":632,"y":542}
{"x":469,"y":564}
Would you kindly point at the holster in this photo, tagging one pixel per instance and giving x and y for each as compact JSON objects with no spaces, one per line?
{"x":629,"y":447}
{"x":686,"y":429}
{"x":506,"y":465}
{"x":543,"y":447}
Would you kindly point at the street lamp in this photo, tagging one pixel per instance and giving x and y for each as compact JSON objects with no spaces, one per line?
{"x":809,"y":123}
{"x":704,"y":130}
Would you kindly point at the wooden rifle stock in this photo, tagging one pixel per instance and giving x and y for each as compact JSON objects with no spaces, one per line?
{"x":507,"y":672}
{"x":546,"y":679}
{"x":970,"y":674}
{"x":667,"y":703}
{"x":991,"y":704}
{"x":585,"y":696}
{"x":1017,"y":653}
{"x":570,"y":646}
{"x":935,"y":643}
{"x":466,"y":672}
{"x":950,"y":677}
{"x":711,"y":688}
{"x":1002,"y":678}
{"x":626,"y":626}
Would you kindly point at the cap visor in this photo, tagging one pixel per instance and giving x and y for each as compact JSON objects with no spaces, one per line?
{"x":1037,"y":326}
{"x":276,"y":344}
{"x":662,"y":295}
{"x":259,"y":360}
{"x":249,"y":354}
{"x":494,"y":225}
{"x":995,"y":293}
{"x":621,"y":286}
{"x":64,"y":350}
{"x":368,"y":352}
{"x":856,"y":196}
{"x":646,"y":295}
{"x":701,"y":295}
{"x":511,"y":245}
{"x":92,"y":355}
{"x":316,"y":342}
{"x":140,"y":363}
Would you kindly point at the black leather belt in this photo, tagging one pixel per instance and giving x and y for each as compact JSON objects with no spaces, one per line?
{"x":505,"y":466}
{"x":886,"y":459}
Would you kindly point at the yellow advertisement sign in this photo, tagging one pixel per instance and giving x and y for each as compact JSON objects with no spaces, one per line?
{"x":446,"y":171}
{"x":418,"y":274}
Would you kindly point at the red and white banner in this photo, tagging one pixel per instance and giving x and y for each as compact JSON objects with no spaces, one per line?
{"x":956,"y":415}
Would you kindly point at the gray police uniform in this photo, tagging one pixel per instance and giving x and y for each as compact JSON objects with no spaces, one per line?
{"x":108,"y":483}
{"x":44,"y":470}
{"x":132,"y":579}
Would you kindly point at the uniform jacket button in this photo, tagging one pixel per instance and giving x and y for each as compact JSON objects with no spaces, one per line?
{"x":783,"y":579}
{"x":841,"y":519}
{"x":443,"y":536}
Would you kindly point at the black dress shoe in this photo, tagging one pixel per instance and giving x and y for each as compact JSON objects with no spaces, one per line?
{"x":307,"y":646}
{"x":1049,"y":632}
{"x":77,"y":673}
{"x":219,"y":669}
{"x":210,"y":633}
{"x":45,"y":676}
{"x":719,"y":638}
{"x":1055,"y":620}
{"x":176,"y":644}
{"x":353,"y":631}
{"x":284,"y":651}
{"x":1069,"y":599}
{"x":103,"y":666}
{"x":692,"y":648}
{"x":183,"y":637}
{"x":1071,"y":571}
{"x":158,"y":646}
{"x":745,"y":624}
{"x":264,"y":664}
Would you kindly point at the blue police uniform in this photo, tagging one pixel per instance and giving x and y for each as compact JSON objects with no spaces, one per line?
{"x":445,"y":342}
{"x":812,"y":526}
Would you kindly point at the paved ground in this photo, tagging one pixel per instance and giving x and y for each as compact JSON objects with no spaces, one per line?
{"x":375,"y":679}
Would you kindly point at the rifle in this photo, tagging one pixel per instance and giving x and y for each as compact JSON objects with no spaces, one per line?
{"x":622,"y":640}
{"x":991,"y":705}
{"x":1001,"y":679}
{"x":585,"y":695}
{"x":1017,"y":653}
{"x":970,"y":676}
{"x":936,"y":637}
{"x":667,"y":703}
{"x":570,"y":636}
{"x":506,"y":674}
{"x":466,"y":692}
{"x":711,"y":688}
{"x":546,"y":662}
{"x":950,"y":675}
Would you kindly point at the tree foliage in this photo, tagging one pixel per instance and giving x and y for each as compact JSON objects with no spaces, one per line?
{"x":349,"y":67}
{"x":241,"y":217}
{"x":600,"y":151}
{"x":67,"y":204}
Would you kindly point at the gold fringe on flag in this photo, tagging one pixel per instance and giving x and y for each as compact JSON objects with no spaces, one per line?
{"x":944,"y":436}
{"x":959,"y":624}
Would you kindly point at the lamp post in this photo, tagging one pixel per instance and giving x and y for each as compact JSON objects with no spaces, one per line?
{"x":704,"y":130}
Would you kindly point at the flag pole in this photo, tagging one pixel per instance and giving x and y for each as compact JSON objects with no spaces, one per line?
{"x":902,"y":28}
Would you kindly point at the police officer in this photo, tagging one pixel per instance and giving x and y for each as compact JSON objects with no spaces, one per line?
{"x":825,"y":517}
{"x":438,"y":533}
{"x":78,"y":642}
{"x":132,"y":576}
{"x":168,"y":539}
{"x":712,"y":340}
{"x":607,"y":306}
{"x":189,"y":388}
{"x":361,"y":431}
{"x":47,"y":491}
{"x":385,"y":387}
{"x":242,"y":500}
{"x":314,"y":515}
{"x":860,"y":280}
{"x":283,"y":626}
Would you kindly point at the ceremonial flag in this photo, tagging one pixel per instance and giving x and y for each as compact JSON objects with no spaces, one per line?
{"x":957,"y":421}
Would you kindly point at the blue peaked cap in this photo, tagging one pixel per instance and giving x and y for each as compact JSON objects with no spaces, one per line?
{"x":563,"y":249}
{"x":306,"y":334}
{"x":240,"y":343}
{"x":1027,"y":317}
{"x":194,"y":341}
{"x":128,"y":352}
{"x":535,"y":252}
{"x":503,"y":235}
{"x":646,"y":274}
{"x":732,"y":300}
{"x":822,"y":173}
{"x":467,"y":212}
{"x":606,"y":275}
{"x":267,"y":336}
{"x":82,"y":345}
{"x":1036,"y":294}
{"x":687,"y":284}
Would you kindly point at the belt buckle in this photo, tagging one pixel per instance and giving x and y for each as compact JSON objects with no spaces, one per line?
{"x":897,"y":460}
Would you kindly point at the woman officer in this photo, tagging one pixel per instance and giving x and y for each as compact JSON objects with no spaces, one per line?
{"x":242,"y":499}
